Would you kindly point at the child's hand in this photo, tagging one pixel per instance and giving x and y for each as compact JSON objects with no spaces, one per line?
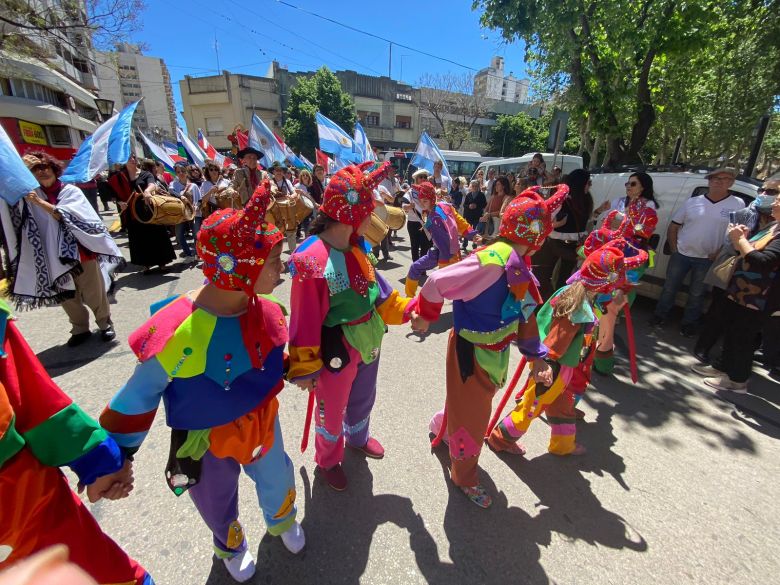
{"x":419,"y":324}
{"x":619,"y":300}
{"x":308,"y":385}
{"x":541,"y":372}
{"x":114,"y":486}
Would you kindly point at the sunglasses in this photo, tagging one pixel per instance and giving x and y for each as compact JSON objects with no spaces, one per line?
{"x":763,"y":191}
{"x":40,"y":168}
{"x":632,"y":184}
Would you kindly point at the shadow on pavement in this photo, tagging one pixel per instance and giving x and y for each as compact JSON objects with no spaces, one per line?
{"x":61,"y":359}
{"x":140,"y":281}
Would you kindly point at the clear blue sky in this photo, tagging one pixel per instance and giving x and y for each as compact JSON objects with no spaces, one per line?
{"x":252,"y":34}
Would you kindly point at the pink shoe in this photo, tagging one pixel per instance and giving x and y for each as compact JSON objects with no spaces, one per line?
{"x":372,"y":448}
{"x":334,"y":477}
{"x":435,"y":425}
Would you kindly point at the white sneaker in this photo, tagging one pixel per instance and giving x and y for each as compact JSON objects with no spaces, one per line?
{"x":294,"y":539}
{"x":707,"y":371}
{"x":724,"y":383}
{"x":241,"y":567}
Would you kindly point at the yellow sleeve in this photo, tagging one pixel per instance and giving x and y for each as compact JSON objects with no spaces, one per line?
{"x":463,"y":226}
{"x":394,"y":309}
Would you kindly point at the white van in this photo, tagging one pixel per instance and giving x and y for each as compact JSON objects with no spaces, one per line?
{"x":671,"y":190}
{"x":517,"y":164}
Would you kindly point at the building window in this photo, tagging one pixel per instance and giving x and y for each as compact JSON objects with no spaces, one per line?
{"x":58,"y":135}
{"x":403,"y":97}
{"x":403,"y":121}
{"x":214,"y":127}
{"x":372,"y":119}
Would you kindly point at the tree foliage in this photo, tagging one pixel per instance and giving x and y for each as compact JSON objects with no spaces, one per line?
{"x":635,"y":74}
{"x":449,"y":99}
{"x":520,"y":134}
{"x":321,"y":92}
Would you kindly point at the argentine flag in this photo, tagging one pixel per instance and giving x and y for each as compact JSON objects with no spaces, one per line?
{"x":16,"y":180}
{"x":159,"y":153}
{"x":307,"y":162}
{"x":361,"y":141}
{"x":428,"y":153}
{"x":194,"y":152}
{"x":337,"y":142}
{"x":108,"y":146}
{"x":262,"y":139}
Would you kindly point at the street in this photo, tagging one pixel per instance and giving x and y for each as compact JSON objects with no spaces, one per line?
{"x":675,"y":488}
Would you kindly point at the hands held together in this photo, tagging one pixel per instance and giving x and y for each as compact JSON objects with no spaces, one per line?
{"x":113,"y":486}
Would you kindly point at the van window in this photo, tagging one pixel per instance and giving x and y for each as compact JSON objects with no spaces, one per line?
{"x":702,"y":190}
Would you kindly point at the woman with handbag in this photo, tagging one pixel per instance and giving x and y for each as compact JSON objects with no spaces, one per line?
{"x":751,"y":296}
{"x":756,"y":217}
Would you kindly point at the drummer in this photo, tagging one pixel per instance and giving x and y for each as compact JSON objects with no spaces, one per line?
{"x":383,"y":198}
{"x":250,"y":175}
{"x":282,"y":188}
{"x":212,"y":188}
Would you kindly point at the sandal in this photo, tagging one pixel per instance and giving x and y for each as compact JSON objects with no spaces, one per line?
{"x":477,"y":494}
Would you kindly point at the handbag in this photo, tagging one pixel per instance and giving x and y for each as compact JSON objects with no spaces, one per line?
{"x":724,"y":270}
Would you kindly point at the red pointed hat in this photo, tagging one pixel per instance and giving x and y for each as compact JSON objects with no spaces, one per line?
{"x":349,"y":197}
{"x":234,"y":244}
{"x":426,"y":191}
{"x":604,"y":235}
{"x":528,"y":218}
{"x":605,"y":269}
{"x":640,"y":221}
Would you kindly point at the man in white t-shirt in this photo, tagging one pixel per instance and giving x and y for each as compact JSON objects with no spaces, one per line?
{"x":695,"y":236}
{"x":439,"y":180}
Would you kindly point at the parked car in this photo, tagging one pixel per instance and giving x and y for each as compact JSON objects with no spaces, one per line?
{"x":671,"y":188}
{"x":517,"y":164}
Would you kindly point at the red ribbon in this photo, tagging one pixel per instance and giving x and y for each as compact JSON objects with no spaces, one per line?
{"x":504,"y":399}
{"x":631,"y":344}
{"x":307,"y":425}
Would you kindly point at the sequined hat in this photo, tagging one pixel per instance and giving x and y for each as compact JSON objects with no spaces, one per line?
{"x":604,"y":270}
{"x":640,"y":221}
{"x":426,"y":192}
{"x":349,"y":197}
{"x":234,"y":244}
{"x":528,"y":218}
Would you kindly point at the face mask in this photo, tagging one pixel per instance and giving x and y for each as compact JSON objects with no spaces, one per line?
{"x":764,"y":202}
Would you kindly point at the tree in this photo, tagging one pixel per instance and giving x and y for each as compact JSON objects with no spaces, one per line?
{"x":35,"y":29}
{"x":520,"y":134}
{"x":321,"y":92}
{"x":610,"y":60}
{"x":449,"y":99}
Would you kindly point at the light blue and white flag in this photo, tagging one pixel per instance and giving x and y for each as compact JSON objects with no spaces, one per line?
{"x":337,"y":142}
{"x":108,"y":146}
{"x":362,"y":143}
{"x":197,"y":156}
{"x":159,"y":153}
{"x":307,"y":162}
{"x":16,"y":180}
{"x":428,"y":153}
{"x":262,"y":138}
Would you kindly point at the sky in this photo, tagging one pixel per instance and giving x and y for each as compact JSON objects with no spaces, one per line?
{"x":249,"y":35}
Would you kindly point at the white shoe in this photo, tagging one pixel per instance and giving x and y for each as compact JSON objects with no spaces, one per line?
{"x":294,"y":539}
{"x":241,"y":567}
{"x":707,"y":371}
{"x":724,"y":383}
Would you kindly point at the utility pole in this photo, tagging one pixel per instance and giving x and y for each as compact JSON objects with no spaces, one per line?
{"x":390,"y":62}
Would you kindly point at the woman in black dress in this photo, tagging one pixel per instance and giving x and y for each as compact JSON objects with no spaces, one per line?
{"x":150,"y":245}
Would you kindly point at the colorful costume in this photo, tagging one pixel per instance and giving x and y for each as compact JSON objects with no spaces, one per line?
{"x":569,"y":339}
{"x":340,"y":308}
{"x":637,"y":226}
{"x":42,"y":429}
{"x":219,"y":377}
{"x":495,"y":295}
{"x":444,"y":226}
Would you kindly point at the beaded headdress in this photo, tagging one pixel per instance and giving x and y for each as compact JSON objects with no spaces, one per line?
{"x":528,"y":219}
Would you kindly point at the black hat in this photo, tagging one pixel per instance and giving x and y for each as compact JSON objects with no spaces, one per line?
{"x":277,"y":165}
{"x":249,"y":150}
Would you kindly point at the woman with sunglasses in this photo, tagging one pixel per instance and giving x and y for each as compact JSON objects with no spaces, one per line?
{"x":638,"y":187}
{"x":213,"y":189}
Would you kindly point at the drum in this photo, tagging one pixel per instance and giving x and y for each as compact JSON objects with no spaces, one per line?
{"x":396,"y":218}
{"x":228,"y":199}
{"x":377,"y":230}
{"x":303,"y":208}
{"x":287,"y":214}
{"x":159,"y":209}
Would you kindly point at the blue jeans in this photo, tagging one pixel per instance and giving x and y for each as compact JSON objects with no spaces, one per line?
{"x":181,"y":237}
{"x":676,"y":271}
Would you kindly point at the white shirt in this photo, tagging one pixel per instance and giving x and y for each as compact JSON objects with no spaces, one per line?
{"x":415,"y":215}
{"x":443,"y":182}
{"x":177,"y":188}
{"x":619,"y":204}
{"x":208,"y":185}
{"x":704,"y":224}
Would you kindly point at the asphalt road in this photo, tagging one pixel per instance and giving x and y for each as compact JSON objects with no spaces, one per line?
{"x":679,"y":485}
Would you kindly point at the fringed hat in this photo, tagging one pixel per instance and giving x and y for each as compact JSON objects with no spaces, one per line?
{"x":426,"y":192}
{"x":234,"y":244}
{"x":605,"y":269}
{"x":528,"y":218}
{"x":604,"y":235}
{"x":349,"y":197}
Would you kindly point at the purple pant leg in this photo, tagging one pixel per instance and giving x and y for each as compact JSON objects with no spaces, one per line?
{"x":216,"y":498}
{"x":428,"y":262}
{"x":361,"y":401}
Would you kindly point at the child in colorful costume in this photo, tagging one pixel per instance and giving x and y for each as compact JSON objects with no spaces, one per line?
{"x":216,"y":357}
{"x":495,"y":295}
{"x":42,"y":429}
{"x":340,"y":308}
{"x":445,"y":226}
{"x":566,"y":322}
{"x":637,"y":225}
